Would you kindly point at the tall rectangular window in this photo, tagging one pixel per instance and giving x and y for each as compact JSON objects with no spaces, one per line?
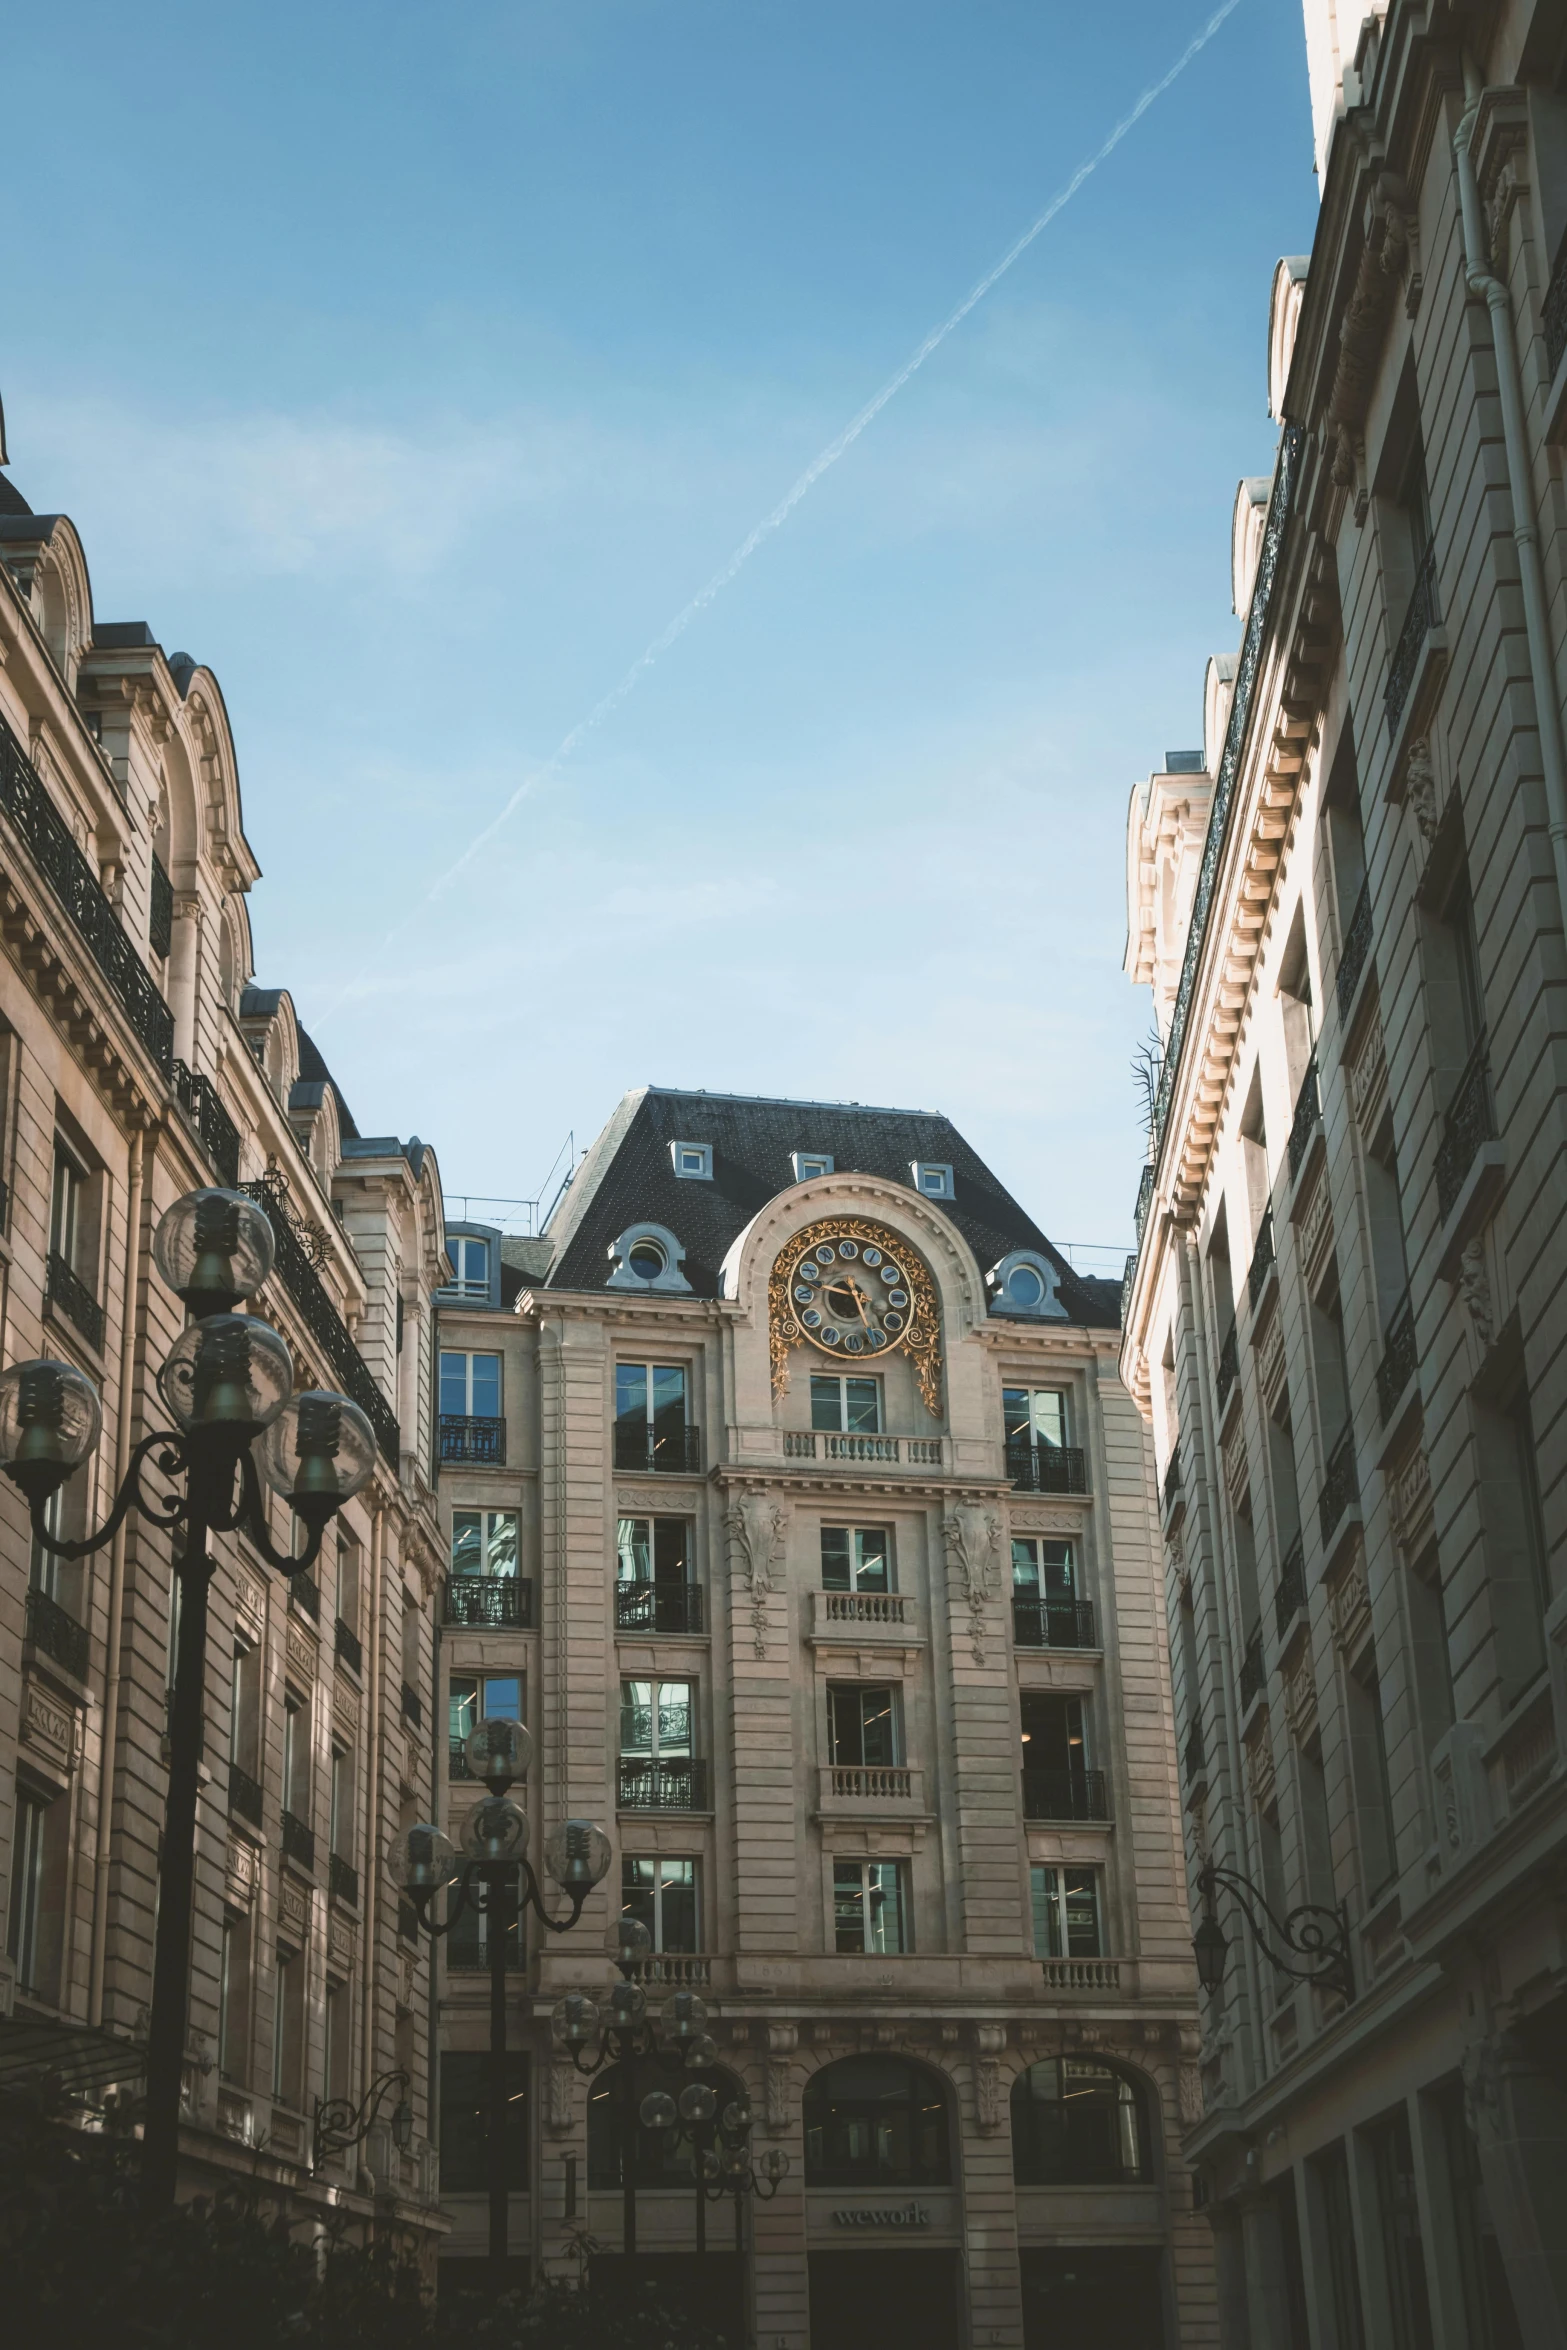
{"x":1516,"y":1563}
{"x":234,"y":2001}
{"x":868,"y":1906}
{"x":662,"y":1895}
{"x":653,"y":1550}
{"x":288,"y":2033}
{"x":342,"y":1843}
{"x":484,"y":1542}
{"x":656,"y":1719}
{"x":337,"y":2055}
{"x":1315,"y":1831}
{"x":651,"y":1415}
{"x":1053,"y":1734}
{"x":465,"y":2121}
{"x":66,"y":1219}
{"x":1032,"y":1417}
{"x":845,"y":1407}
{"x":1488,"y":2299}
{"x":472,"y":1698}
{"x":1330,"y":2179}
{"x":1398,"y":2224}
{"x":1368,"y":1766}
{"x":1065,"y":1905}
{"x":34,"y":1934}
{"x":245,"y":1709}
{"x":470,"y":1386}
{"x":855,"y":1558}
{"x":296,"y":1755}
{"x":348,"y":1565}
{"x":469,"y":1942}
{"x":862,"y":1725}
{"x":470,"y":1267}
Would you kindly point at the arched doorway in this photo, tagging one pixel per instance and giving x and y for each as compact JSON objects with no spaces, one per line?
{"x":708,"y":2288}
{"x":1078,"y":2122}
{"x":877,"y":2131}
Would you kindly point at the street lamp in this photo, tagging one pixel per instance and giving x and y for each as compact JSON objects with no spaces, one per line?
{"x":1313,"y":1935}
{"x":340,"y":2123}
{"x":227,"y":1381}
{"x":422,"y":1862}
{"x":721,"y":2159}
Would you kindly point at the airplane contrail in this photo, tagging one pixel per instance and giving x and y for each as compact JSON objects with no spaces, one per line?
{"x":822,"y":463}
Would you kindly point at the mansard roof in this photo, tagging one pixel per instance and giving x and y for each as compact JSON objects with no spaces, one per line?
{"x":628,"y":1178}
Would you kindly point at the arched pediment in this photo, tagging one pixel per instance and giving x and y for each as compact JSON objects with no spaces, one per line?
{"x":216,"y":771}
{"x":1247,"y":524}
{"x":45,"y":557}
{"x":271,"y":1027}
{"x":1218,"y":688}
{"x":746,"y":1269}
{"x":1289,"y":289}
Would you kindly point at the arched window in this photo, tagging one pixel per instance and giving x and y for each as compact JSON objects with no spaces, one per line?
{"x":876,"y":2121}
{"x":663,"y":2157}
{"x":1078,"y":2124}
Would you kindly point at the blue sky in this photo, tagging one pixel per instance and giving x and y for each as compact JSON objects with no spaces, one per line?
{"x":414,"y":368}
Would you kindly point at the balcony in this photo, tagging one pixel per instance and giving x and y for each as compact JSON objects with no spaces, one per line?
{"x":349,"y":1649}
{"x":1081,"y":1974}
{"x":857,"y":1615}
{"x":1065,"y":1795}
{"x":674,"y":1970}
{"x":1307,"y":1118}
{"x":675,"y":1452}
{"x":1144,"y":1203}
{"x":1195,"y":1760}
{"x":1397,"y":1366}
{"x":870,"y":1790}
{"x":1470,"y":1121}
{"x":342,"y":1881}
{"x":496,"y":1603}
{"x":658,"y":1607}
{"x":679,"y":1785}
{"x":1229,"y":1365}
{"x":48,"y":839}
{"x":1340,"y":1484}
{"x":57,"y":1635}
{"x":1253,"y":1671}
{"x":321,"y":1317}
{"x":1357,"y":949}
{"x":198,"y":1098}
{"x":470,"y":1437}
{"x":1419,"y":619}
{"x":245,"y":1798}
{"x":1262,"y":1259}
{"x":75,"y":1301}
{"x":413,"y":1711}
{"x":1053,"y":1623}
{"x":299,"y":1844}
{"x":1553,"y":314}
{"x":160,"y":918}
{"x":304,"y":1595}
{"x":914,"y":1452}
{"x":1047,"y":1468}
{"x":1290,"y":1596}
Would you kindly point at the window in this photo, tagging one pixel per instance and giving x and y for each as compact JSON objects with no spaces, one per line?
{"x":646,"y":1259}
{"x":656,"y":1719}
{"x":1034,"y":1417}
{"x":1368,"y":1765}
{"x":650,"y":1415}
{"x":67,"y":1222}
{"x":1043,"y":1570}
{"x":809,"y":1164}
{"x":1077,"y":2124}
{"x":845,"y":1407}
{"x":34,"y":1938}
{"x":1516,"y":1559}
{"x":288,"y":2033}
{"x":868,"y":1905}
{"x":1316,"y":1834}
{"x":1329,"y":2173}
{"x":348,"y":1562}
{"x":647,"y":1256}
{"x":876,"y":2121}
{"x":1398,"y":2226}
{"x":245,"y":1709}
{"x":1487,"y":2295}
{"x":470,"y":1386}
{"x":661,"y":2159}
{"x":1065,"y":1904}
{"x":234,"y":2001}
{"x":653,"y":1550}
{"x":472,"y":1698}
{"x":484,"y":1542}
{"x":465,"y":2121}
{"x":692,"y":1161}
{"x":855,"y":1558}
{"x":470,"y":1268}
{"x":862,"y":1726}
{"x":1053,"y":1737}
{"x":338,"y":2046}
{"x":661,"y":1895}
{"x":296,"y":1756}
{"x":932,"y":1177}
{"x":342,"y":1824}
{"x":1026,"y":1283}
{"x":62,"y":1580}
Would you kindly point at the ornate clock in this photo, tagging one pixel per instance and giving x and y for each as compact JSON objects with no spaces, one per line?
{"x":854,"y":1290}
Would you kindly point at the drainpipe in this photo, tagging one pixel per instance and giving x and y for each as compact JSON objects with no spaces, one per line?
{"x":1509,"y":383}
{"x":370,"y":1848}
{"x":111,"y":1673}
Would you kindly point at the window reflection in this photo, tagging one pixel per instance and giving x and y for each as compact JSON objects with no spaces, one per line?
{"x":876,"y":2121}
{"x":1077,"y":2124}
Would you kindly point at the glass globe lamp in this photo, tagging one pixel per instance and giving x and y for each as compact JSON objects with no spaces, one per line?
{"x":684,"y":2017}
{"x":213,"y":1248}
{"x":700,"y":2052}
{"x":697,"y":2102}
{"x":49,"y":1422}
{"x":318,"y":1451}
{"x":773,"y":2165}
{"x":736,"y":2161}
{"x":495,"y":1830}
{"x":230,"y":1374}
{"x":658,"y":2111}
{"x":736,"y":2118}
{"x":576,"y":1855}
{"x":575,"y":2020}
{"x":634,"y":1940}
{"x":627,"y":2006}
{"x":707,"y":2165}
{"x":421,"y":1859}
{"x":498,"y":1752}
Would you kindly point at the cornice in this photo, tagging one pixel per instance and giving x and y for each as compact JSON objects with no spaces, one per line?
{"x":738,"y":1477}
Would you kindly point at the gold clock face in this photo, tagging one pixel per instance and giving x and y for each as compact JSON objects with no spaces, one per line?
{"x":854,"y":1290}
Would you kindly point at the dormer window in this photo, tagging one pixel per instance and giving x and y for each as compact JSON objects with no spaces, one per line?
{"x":931,"y":1178}
{"x":693,"y":1161}
{"x":809,"y":1164}
{"x":470,"y":1268}
{"x":647,"y":1256}
{"x":1026,"y":1284}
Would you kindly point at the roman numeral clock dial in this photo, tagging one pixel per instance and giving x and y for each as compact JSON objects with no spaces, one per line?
{"x":854,"y":1290}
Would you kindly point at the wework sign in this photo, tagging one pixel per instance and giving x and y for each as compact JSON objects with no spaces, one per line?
{"x":902,"y":2215}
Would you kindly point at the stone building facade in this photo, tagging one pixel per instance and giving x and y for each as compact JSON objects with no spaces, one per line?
{"x":1346,"y":1315}
{"x":138,"y":1061}
{"x":856,"y":1648}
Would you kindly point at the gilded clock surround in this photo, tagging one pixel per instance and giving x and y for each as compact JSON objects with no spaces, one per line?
{"x":920,"y":1337}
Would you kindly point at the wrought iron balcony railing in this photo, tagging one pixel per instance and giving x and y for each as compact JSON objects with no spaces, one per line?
{"x":662,"y":1786}
{"x":1290,"y":1596}
{"x":1172,"y":1479}
{"x":1261,"y":1258}
{"x":1357,"y":948}
{"x":413,"y":1711}
{"x":1229,"y":1366}
{"x":199,"y":1099}
{"x":342,"y":1880}
{"x":350,"y":1650}
{"x":1308,"y":1110}
{"x":1196,"y":1758}
{"x":27,"y":803}
{"x":675,"y":1450}
{"x":1419,"y":620}
{"x":1553,"y":313}
{"x":1047,"y":1468}
{"x":1470,"y":1121}
{"x":322,"y":1319}
{"x":1252,"y":1672}
{"x":75,"y":1300}
{"x":245,"y":1796}
{"x":503,"y":1603}
{"x":658,"y":1607}
{"x":1065,"y":1795}
{"x":1340,"y":1483}
{"x":1053,"y":1623}
{"x":299,"y":1843}
{"x":473,"y":1437}
{"x":1397,"y":1366}
{"x":304,"y":1593}
{"x":56,"y":1634}
{"x":160,"y":919}
{"x":1144,"y":1201}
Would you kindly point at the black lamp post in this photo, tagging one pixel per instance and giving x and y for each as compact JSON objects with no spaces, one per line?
{"x":423,"y":1861}
{"x":720,"y":2143}
{"x":1314,"y":1938}
{"x":227,"y":1381}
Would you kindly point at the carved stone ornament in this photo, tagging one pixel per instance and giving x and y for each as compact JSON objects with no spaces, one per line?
{"x":782,"y":2041}
{"x":756,"y":1527}
{"x":1420,"y":785}
{"x":557,"y":2097}
{"x":874,"y":1318}
{"x":1474,"y":1287}
{"x":973,"y":1543}
{"x":1189,"y":2079}
{"x":989,"y":2101}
